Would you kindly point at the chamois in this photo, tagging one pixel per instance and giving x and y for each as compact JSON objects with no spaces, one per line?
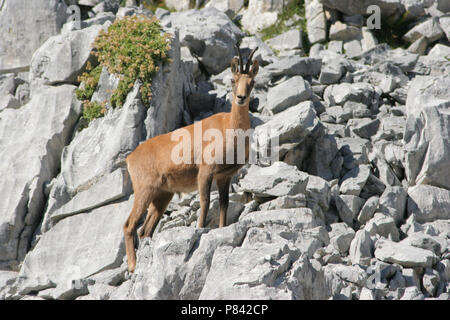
{"x":156,"y":177}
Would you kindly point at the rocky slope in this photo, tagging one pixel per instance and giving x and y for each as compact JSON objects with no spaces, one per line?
{"x":357,"y":207}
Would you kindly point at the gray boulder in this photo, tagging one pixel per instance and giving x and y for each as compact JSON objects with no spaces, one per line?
{"x":341,"y":237}
{"x":209,"y":34}
{"x":353,"y":181}
{"x":62,"y":58}
{"x":7,"y":278}
{"x":261,"y":14}
{"x":431,"y":281}
{"x":108,"y":140}
{"x":427,"y":133}
{"x":181,"y":263}
{"x":412,"y":293}
{"x":399,"y":57}
{"x":368,"y":210}
{"x":316,"y":23}
{"x":107,"y":83}
{"x":383,"y":225}
{"x":285,"y":202}
{"x":279,"y":179}
{"x":289,"y":40}
{"x":291,"y":127}
{"x":107,"y":189}
{"x":353,"y":49}
{"x":419,"y":46}
{"x":424,"y":241}
{"x":287,"y":94}
{"x":364,"y":127}
{"x":330,"y":74}
{"x":33,"y":138}
{"x":9,"y":101}
{"x":430,"y":29}
{"x":248,"y":271}
{"x":428,"y":203}
{"x":393,"y":203}
{"x":178,"y":5}
{"x":404,"y":255}
{"x":72,"y":250}
{"x":348,"y":207}
{"x":18,"y":40}
{"x":338,"y":94}
{"x":344,"y":32}
{"x":322,"y":158}
{"x":353,"y":274}
{"x":295,"y":66}
{"x":230,"y":7}
{"x":361,"y":248}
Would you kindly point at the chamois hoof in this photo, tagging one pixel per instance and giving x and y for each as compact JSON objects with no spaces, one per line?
{"x":131,"y":267}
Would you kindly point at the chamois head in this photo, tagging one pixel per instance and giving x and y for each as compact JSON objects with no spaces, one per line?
{"x":243,"y":79}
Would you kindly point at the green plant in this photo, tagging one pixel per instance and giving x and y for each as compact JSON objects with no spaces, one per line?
{"x":93,"y":110}
{"x":90,"y":80}
{"x":132,"y":47}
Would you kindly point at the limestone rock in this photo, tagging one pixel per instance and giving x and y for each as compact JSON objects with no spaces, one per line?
{"x":405,"y":255}
{"x":287,"y":94}
{"x":341,"y":236}
{"x":354,"y":180}
{"x":427,"y":132}
{"x":73,"y":250}
{"x":361,"y":248}
{"x":209,"y":34}
{"x":18,"y":40}
{"x":30,"y":160}
{"x":230,"y":7}
{"x":428,"y":203}
{"x":315,"y":21}
{"x":62,"y":58}
{"x":277,"y":180}
{"x":289,"y":40}
{"x":383,"y":225}
{"x":430,"y":29}
{"x":261,"y":14}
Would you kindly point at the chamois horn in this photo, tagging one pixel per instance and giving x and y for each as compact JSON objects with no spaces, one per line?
{"x":249,"y":61}
{"x":241,"y":62}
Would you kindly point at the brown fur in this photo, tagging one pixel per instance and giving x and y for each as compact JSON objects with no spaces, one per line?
{"x":156,"y":178}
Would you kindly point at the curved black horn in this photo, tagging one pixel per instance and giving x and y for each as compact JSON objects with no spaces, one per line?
{"x":241,"y":62}
{"x":249,"y":61}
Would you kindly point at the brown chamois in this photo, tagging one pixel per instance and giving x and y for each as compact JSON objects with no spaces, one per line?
{"x":156,"y":177}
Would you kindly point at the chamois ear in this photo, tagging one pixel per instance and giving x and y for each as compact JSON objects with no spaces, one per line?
{"x":254,"y":69}
{"x":235,"y":65}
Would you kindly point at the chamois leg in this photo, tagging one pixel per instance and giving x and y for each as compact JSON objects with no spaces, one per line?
{"x":155,"y":212}
{"x":141,"y":201}
{"x":223,"y":184}
{"x":204,"y":180}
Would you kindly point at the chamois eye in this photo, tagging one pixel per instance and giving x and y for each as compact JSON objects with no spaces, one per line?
{"x":233,"y":81}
